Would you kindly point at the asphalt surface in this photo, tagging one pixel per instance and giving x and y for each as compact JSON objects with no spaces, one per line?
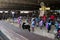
{"x":26,"y":34}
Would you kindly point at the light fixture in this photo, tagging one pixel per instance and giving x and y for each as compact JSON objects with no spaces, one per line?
{"x":1,"y":11}
{"x":24,"y":11}
{"x":12,"y":12}
{"x":6,"y":11}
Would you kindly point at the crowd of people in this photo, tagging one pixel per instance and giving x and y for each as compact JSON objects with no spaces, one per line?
{"x":40,"y":22}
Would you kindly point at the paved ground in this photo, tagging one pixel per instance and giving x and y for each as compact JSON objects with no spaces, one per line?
{"x":26,"y":34}
{"x":38,"y":31}
{"x":42,"y":32}
{"x":2,"y":36}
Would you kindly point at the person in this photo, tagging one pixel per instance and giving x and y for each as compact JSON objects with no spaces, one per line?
{"x":40,"y":24}
{"x":58,"y":32}
{"x":33,"y":24}
{"x":29,"y":20}
{"x":56,"y":25}
{"x":44,"y":19}
{"x":32,"y":19}
{"x":37,"y":21}
{"x":49,"y":26}
{"x":46,"y":25}
{"x":20,"y":21}
{"x":52,"y":18}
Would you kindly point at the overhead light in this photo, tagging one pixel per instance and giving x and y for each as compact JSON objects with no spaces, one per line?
{"x":1,"y":11}
{"x":6,"y":11}
{"x":13,"y":12}
{"x":21,"y":11}
{"x":24,"y":11}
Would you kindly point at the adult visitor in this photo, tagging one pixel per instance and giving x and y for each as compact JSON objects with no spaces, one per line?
{"x":44,"y":19}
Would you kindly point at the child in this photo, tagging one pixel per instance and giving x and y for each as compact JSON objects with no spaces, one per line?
{"x":41,"y":24}
{"x":19,"y":21}
{"x":49,"y":26}
{"x":58,"y":31}
{"x":46,"y":25}
{"x":33,"y":25}
{"x":56,"y":25}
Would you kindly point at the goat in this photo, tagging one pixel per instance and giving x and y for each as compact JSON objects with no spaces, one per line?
{"x":26,"y":26}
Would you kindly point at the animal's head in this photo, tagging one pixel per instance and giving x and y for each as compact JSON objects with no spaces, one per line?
{"x":23,"y":23}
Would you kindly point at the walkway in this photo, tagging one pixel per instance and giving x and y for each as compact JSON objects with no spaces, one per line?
{"x":22,"y":34}
{"x":38,"y":31}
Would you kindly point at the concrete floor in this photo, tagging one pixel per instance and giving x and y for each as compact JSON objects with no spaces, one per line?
{"x":37,"y":31}
{"x":25,"y":34}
